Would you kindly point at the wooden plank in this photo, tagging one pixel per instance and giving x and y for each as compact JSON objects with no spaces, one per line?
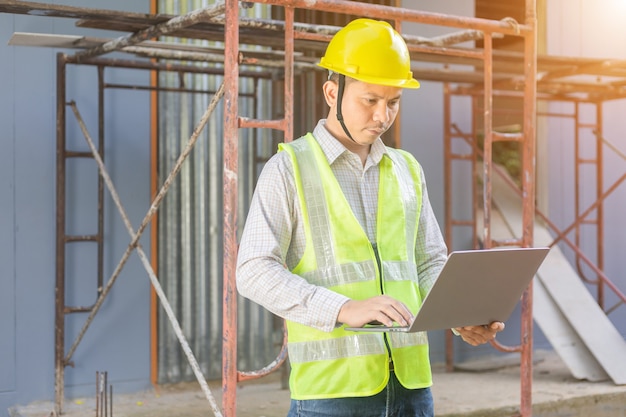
{"x":58,"y":10}
{"x":583,"y":312}
{"x":569,"y":293}
{"x":563,"y":337}
{"x":54,"y":40}
{"x":82,"y":42}
{"x":204,"y":31}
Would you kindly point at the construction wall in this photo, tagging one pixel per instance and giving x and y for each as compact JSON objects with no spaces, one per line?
{"x":118,"y":340}
{"x":7,"y":216}
{"x":27,"y":219}
{"x":594,"y":29}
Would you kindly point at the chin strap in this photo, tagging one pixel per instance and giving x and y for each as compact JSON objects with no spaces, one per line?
{"x":342,"y":85}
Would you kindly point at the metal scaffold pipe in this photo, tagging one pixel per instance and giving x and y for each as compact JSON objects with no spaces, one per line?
{"x":134,"y":244}
{"x":176,"y":23}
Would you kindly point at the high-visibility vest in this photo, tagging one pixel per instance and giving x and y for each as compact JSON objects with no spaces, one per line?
{"x":340,"y":257}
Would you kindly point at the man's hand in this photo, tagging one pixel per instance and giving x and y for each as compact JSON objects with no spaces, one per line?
{"x":382,"y":309}
{"x":478,"y":335}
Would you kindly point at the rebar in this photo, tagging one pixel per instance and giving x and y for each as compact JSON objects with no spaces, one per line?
{"x":104,"y":398}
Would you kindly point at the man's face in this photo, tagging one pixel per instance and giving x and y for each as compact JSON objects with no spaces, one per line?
{"x":368,"y":110}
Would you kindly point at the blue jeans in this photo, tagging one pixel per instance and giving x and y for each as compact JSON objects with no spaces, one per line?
{"x":393,"y":401}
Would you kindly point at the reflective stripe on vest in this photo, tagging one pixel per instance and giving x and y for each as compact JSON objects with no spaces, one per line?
{"x":339,"y":256}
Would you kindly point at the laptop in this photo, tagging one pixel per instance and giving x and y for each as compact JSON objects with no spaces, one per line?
{"x":475,"y":287}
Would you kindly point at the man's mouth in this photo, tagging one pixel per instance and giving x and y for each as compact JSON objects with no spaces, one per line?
{"x":377,"y":130}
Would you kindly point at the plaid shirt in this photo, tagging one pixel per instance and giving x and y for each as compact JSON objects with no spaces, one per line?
{"x":273,"y":236}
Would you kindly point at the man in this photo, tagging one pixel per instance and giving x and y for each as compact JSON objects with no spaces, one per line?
{"x":341,"y":233}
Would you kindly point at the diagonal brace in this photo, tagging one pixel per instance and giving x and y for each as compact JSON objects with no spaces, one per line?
{"x":134,"y":244}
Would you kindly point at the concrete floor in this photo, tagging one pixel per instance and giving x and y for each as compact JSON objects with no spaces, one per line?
{"x":491,"y":389}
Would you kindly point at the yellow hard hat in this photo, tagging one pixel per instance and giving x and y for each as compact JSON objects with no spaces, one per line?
{"x":370,"y":51}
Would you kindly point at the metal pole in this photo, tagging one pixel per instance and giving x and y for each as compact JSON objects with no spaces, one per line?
{"x":475,"y":160}
{"x":288,"y":82}
{"x":100,"y":235}
{"x":448,"y":229}
{"x":488,"y":139}
{"x":528,"y":199}
{"x":600,"y":211}
{"x":402,"y":14}
{"x":230,"y":183}
{"x":59,"y":328}
{"x":174,"y":24}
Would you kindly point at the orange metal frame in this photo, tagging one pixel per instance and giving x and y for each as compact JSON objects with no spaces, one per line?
{"x":233,"y":122}
{"x":486,"y":87}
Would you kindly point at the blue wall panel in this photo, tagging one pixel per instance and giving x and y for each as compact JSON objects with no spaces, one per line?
{"x":7,"y":214}
{"x":34,"y":219}
{"x":118,"y":340}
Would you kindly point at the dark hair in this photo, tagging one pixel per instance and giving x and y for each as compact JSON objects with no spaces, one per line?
{"x":334,"y":77}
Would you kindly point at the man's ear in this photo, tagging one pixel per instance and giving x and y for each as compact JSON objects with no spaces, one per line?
{"x":330,"y":89}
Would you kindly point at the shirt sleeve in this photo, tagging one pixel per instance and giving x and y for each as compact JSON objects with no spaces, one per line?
{"x":262,"y":274}
{"x":431,"y":251}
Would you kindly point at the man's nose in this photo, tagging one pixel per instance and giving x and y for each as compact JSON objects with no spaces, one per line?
{"x":382,"y":113}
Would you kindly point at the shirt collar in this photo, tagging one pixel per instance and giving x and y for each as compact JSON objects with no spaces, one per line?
{"x":333,"y":149}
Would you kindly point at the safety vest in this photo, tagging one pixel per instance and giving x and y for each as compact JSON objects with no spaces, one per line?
{"x":339,"y":256}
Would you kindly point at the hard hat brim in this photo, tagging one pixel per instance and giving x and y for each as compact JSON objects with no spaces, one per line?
{"x":390,"y":82}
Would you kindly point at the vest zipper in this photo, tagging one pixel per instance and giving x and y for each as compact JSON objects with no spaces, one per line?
{"x":382,"y":291}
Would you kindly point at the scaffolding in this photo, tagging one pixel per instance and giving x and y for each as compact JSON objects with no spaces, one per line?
{"x":478,"y":73}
